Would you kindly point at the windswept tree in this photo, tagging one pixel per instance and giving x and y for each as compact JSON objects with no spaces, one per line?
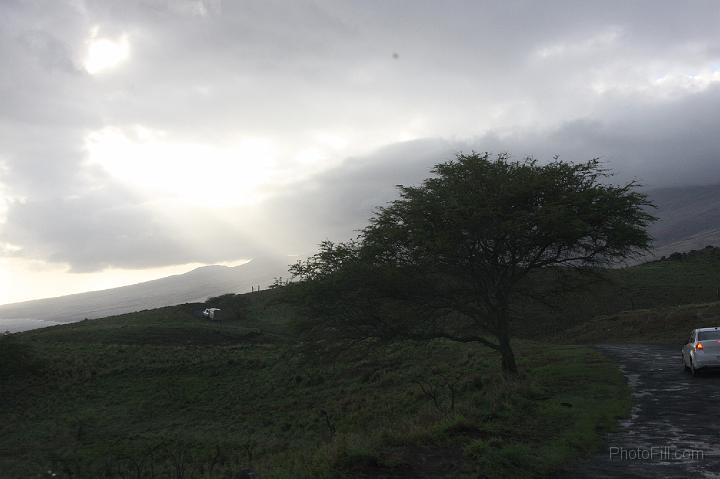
{"x":480,"y":226}
{"x":452,"y":257}
{"x":349,"y":296}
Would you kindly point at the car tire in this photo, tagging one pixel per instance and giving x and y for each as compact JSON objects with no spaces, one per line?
{"x":685,"y":366}
{"x":693,"y":371}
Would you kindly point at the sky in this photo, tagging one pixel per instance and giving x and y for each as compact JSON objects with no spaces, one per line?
{"x":142,"y":138}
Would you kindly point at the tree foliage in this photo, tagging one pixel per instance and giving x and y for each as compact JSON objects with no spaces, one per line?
{"x":347,"y":294}
{"x":480,"y":226}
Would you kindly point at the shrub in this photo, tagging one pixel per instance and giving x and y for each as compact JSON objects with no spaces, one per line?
{"x":17,"y":359}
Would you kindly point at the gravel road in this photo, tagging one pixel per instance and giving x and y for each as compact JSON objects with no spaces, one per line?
{"x":674,"y":428}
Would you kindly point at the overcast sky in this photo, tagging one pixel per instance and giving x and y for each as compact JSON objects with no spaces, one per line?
{"x":139,"y":138}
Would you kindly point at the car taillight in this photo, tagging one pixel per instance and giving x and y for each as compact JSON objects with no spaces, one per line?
{"x":698,"y":346}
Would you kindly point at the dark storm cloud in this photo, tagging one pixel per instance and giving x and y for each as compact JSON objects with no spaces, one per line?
{"x":635,"y":83}
{"x":337,"y":203}
{"x":667,"y":144}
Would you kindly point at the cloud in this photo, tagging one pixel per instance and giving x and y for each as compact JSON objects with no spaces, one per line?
{"x":665,"y":143}
{"x":335,"y":204}
{"x":111,"y":228}
{"x":668,"y":144}
{"x":635,"y":83}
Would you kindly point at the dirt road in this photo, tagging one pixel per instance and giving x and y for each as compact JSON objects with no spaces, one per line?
{"x":674,"y":430}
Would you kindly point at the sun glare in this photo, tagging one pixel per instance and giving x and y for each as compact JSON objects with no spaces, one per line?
{"x":199,"y":174}
{"x":105,"y":53}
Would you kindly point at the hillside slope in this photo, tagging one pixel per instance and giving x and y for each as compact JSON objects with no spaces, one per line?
{"x":148,"y":394}
{"x":683,"y":278}
{"x":664,"y":325}
{"x":688,"y":218}
{"x":195,"y":285}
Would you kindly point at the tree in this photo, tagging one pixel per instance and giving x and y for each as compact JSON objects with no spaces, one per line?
{"x":481,"y":226}
{"x":348,"y":296}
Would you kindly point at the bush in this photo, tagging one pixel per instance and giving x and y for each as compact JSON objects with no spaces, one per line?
{"x":17,"y":359}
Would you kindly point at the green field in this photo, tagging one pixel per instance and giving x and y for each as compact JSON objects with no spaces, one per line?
{"x":165,"y":394}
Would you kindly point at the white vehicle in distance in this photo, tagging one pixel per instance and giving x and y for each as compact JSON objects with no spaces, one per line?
{"x":210,"y":312}
{"x":702,"y":350}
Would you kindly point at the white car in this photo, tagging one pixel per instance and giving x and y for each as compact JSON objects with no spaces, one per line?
{"x":702,"y":350}
{"x":210,"y":312}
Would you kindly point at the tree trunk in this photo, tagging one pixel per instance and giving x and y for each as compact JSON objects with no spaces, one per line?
{"x":509,"y":366}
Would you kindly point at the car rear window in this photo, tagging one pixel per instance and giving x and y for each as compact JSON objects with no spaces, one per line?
{"x":707,"y":335}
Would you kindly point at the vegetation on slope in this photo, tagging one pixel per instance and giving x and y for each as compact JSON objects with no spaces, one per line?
{"x":652,"y":288}
{"x":664,"y":325}
{"x":166,"y":394}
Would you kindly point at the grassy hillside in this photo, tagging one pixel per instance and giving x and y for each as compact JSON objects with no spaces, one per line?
{"x":164,"y":393}
{"x":667,"y":325}
{"x":691,"y":278}
{"x":195,"y":285}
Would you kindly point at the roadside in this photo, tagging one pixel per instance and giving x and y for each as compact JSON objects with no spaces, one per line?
{"x":661,"y":325}
{"x":673,"y":429}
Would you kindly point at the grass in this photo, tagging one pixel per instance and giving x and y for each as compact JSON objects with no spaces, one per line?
{"x":164,"y":393}
{"x":691,"y":278}
{"x":665,"y":325}
{"x":656,"y":302}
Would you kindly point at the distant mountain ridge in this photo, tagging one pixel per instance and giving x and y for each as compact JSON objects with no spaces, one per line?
{"x":688,"y":218}
{"x":193,"y":286}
